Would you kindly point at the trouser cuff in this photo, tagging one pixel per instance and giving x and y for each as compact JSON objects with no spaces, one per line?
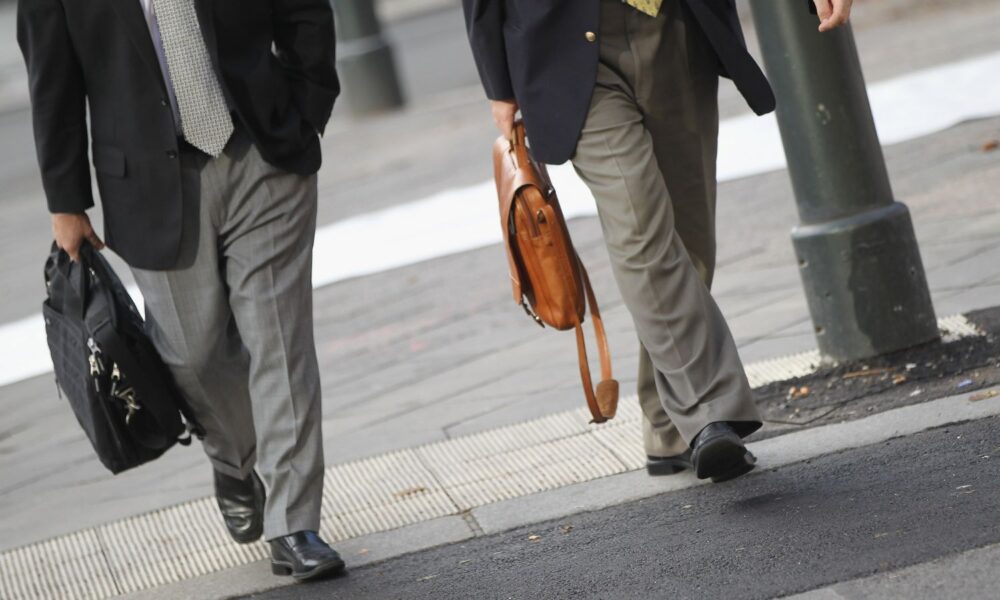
{"x":241,"y":471}
{"x":303,"y":520}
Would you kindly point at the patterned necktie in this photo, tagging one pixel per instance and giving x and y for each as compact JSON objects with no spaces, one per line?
{"x":205,"y":120}
{"x":650,"y":7}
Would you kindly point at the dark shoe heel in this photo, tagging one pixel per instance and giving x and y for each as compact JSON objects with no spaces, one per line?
{"x":280,"y":569}
{"x":661,"y":468}
{"x":722,"y":458}
{"x":668,"y":465}
{"x":743,"y":467}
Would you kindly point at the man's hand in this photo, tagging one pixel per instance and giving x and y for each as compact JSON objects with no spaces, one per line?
{"x":503,"y":116}
{"x":833,"y":13}
{"x":70,"y":230}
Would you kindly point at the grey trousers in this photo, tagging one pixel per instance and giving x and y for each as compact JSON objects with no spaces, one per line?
{"x":647,"y":152}
{"x":234,"y":323}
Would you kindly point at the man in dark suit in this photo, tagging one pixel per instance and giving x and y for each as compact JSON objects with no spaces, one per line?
{"x":205,"y":118}
{"x":627,"y":90}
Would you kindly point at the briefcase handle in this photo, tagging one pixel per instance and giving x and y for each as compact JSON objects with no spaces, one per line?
{"x":73,"y":278}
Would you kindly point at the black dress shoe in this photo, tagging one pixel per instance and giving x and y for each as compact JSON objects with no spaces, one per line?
{"x":304,"y":555}
{"x":718,"y":453}
{"x":668,"y":465}
{"x":242,"y":504}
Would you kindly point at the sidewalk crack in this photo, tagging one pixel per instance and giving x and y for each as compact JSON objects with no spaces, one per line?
{"x":611,"y":450}
{"x":465,"y":514}
{"x":119,"y":590}
{"x":470,"y":520}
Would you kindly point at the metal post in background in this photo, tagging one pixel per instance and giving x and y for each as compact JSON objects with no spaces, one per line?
{"x":857,"y":252}
{"x":364,"y":59}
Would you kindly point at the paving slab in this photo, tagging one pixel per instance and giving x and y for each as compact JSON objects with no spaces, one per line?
{"x":971,"y":575}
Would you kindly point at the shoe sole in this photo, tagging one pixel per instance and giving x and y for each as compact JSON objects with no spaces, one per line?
{"x":661,"y":468}
{"x":322,"y":571}
{"x":722,"y":459}
{"x":254,"y":536}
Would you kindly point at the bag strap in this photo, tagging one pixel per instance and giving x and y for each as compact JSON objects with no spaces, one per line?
{"x":603,"y":403}
{"x":513,"y":265}
{"x":516,"y":152}
{"x":519,"y":144}
{"x":67,"y":281}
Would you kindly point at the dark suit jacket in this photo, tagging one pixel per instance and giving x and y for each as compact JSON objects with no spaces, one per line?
{"x":537,"y":52}
{"x":98,"y":54}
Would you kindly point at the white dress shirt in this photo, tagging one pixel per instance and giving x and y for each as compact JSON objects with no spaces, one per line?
{"x":154,"y":32}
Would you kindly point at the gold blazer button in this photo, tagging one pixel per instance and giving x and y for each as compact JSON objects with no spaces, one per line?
{"x":591,"y":36}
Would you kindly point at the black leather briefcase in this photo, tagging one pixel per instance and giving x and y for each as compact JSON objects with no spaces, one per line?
{"x":117,"y":385}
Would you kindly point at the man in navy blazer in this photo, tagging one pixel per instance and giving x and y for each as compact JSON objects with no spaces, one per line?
{"x":628,"y":91}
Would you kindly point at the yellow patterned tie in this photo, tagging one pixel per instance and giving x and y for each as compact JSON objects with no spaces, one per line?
{"x":650,"y":7}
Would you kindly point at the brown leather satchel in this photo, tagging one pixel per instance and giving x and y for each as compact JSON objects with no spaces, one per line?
{"x":549,"y":279}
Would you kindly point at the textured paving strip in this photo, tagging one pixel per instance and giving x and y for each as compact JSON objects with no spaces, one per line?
{"x":366,"y":497}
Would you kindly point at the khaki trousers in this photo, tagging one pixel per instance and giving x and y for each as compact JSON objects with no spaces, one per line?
{"x":234,"y":323}
{"x":647,"y":152}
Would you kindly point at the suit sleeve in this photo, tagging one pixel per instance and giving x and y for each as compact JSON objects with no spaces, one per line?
{"x":484,"y":21}
{"x":58,"y":104}
{"x":306,"y":46}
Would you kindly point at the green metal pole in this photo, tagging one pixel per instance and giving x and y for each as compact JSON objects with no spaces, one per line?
{"x":857,"y":252}
{"x":364,"y":59}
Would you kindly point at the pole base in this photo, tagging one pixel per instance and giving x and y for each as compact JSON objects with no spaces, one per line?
{"x":865,"y":284}
{"x":368,"y":72}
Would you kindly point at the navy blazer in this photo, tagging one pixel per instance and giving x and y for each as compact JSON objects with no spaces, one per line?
{"x":539,"y":53}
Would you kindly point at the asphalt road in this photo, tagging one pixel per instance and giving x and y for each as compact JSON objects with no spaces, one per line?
{"x":844,"y":516}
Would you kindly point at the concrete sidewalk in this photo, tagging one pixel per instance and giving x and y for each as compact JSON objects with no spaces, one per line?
{"x":396,"y":10}
{"x":971,"y":575}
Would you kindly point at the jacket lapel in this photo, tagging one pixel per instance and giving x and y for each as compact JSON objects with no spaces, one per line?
{"x":724,"y":34}
{"x":131,"y":13}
